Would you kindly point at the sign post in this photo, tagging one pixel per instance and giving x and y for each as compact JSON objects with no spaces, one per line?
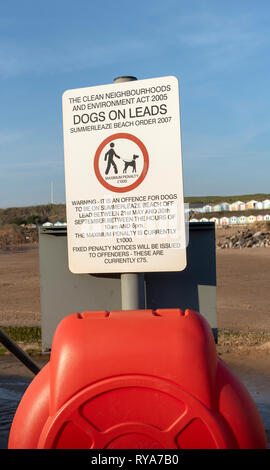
{"x":132,"y":289}
{"x":124,"y":188}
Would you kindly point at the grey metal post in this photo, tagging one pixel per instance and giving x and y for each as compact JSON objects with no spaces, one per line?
{"x":132,"y":284}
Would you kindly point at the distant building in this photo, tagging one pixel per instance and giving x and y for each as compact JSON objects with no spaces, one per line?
{"x":235,"y":206}
{"x":225,"y":206}
{"x":266,"y":204}
{"x":207,"y":208}
{"x":224,"y":221}
{"x":242,"y":206}
{"x":233,"y":220}
{"x":217,"y":208}
{"x":47,"y":224}
{"x":259,"y":205}
{"x":242,"y":220}
{"x":196,"y":207}
{"x":251,"y":219}
{"x":251,"y":204}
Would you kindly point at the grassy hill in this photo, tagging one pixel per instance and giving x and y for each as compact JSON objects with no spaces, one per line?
{"x":12,"y":233}
{"x":229,"y":199}
{"x":32,"y":214}
{"x":57,"y":212}
{"x":218,"y":215}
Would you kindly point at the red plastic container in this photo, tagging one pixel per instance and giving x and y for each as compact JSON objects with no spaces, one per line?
{"x":137,"y":379}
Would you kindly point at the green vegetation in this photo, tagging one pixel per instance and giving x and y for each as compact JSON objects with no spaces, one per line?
{"x":13,"y":217}
{"x":226,"y":338}
{"x":229,"y":199}
{"x":23,"y":334}
{"x":33,"y":214}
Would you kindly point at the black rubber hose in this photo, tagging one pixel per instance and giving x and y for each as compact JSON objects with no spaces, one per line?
{"x":18,"y":352}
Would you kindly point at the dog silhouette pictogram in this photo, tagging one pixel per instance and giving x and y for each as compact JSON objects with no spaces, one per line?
{"x":131,"y":163}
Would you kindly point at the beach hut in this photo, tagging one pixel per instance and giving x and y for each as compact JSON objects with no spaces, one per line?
{"x":235,"y":206}
{"x":251,"y":204}
{"x":194,"y":220}
{"x":214,"y":219}
{"x":266,"y":217}
{"x":188,"y":210}
{"x":225,"y":206}
{"x":196,"y":207}
{"x":47,"y":224}
{"x":204,"y":219}
{"x":259,"y":205}
{"x":251,"y":219}
{"x":216,"y":208}
{"x":224,"y":221}
{"x":259,"y":218}
{"x":207,"y":208}
{"x":233,"y":220}
{"x":266,"y":204}
{"x":242,"y":220}
{"x":242,"y":206}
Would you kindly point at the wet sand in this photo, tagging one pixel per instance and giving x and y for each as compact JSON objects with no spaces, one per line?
{"x":14,"y":380}
{"x":252,"y":368}
{"x":243,"y":297}
{"x":243,"y":280}
{"x":243,"y":304}
{"x":20,"y":288}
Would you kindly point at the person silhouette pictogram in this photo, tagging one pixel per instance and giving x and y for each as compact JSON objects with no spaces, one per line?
{"x":110,"y":155}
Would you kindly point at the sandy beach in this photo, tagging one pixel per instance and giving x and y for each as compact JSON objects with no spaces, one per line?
{"x":243,"y":279}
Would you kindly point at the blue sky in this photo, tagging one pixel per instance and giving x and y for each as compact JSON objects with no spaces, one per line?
{"x":218,"y":50}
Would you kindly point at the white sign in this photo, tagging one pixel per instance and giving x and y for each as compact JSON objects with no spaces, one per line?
{"x":123,"y":170}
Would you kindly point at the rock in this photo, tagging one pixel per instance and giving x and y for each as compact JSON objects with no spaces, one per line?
{"x":257,"y":234}
{"x":246,"y":239}
{"x":247,"y":235}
